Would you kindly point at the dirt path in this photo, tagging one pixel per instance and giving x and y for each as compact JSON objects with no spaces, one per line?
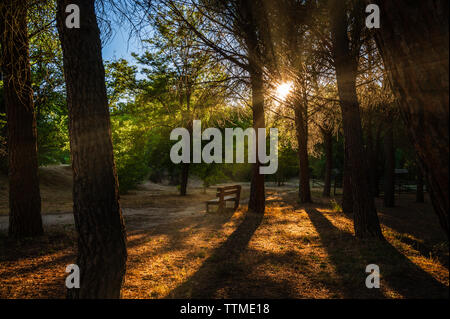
{"x":140,"y":218}
{"x":150,"y":205}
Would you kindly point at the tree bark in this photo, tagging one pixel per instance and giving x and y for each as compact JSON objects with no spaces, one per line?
{"x":328,"y":147}
{"x":373,"y":149}
{"x":389,"y":167}
{"x":24,"y":195}
{"x":419,"y":186}
{"x":414,"y":43}
{"x":304,"y":192}
{"x":98,"y":216}
{"x":376,"y":170}
{"x":184,"y":178}
{"x":257,"y":201}
{"x":366,"y":221}
{"x":347,"y":197}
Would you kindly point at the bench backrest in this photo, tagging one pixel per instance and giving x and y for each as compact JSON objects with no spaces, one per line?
{"x":228,"y":190}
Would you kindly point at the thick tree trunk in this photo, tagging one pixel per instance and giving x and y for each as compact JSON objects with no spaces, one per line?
{"x":184,"y":178}
{"x":373,"y":149}
{"x":366,"y":222}
{"x":414,"y":43}
{"x":98,"y":216}
{"x":376,"y":170}
{"x":419,"y":186}
{"x":257,"y":201}
{"x":304,"y":192}
{"x":249,"y":28}
{"x":389,"y":167}
{"x":328,"y":147}
{"x":3,"y":134}
{"x":347,"y":197}
{"x":24,"y":197}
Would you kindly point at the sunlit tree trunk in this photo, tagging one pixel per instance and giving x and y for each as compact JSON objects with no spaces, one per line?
{"x":414,"y":43}
{"x":24,"y":196}
{"x":98,"y":216}
{"x":366,"y":221}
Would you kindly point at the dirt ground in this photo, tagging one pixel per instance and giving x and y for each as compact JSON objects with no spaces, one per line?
{"x":177,"y":250}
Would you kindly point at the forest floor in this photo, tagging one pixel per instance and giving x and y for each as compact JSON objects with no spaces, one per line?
{"x":177,"y":250}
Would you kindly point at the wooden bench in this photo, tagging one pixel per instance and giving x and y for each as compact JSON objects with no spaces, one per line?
{"x":226,"y":194}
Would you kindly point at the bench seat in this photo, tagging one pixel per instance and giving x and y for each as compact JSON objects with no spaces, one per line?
{"x":226,"y":194}
{"x":226,"y":198}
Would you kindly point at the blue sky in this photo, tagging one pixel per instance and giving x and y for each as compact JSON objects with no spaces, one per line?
{"x":120,"y":47}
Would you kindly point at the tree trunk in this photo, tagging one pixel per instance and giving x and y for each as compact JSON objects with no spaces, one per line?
{"x":347,"y":197}
{"x":304,"y":192}
{"x":389,"y":167}
{"x":366,"y":222}
{"x":3,"y":133}
{"x":257,"y":201}
{"x":373,"y":149}
{"x":24,"y":196}
{"x":184,"y":178}
{"x":414,"y":43}
{"x":419,"y":187}
{"x":328,"y":146}
{"x":376,"y":170}
{"x":98,"y":216}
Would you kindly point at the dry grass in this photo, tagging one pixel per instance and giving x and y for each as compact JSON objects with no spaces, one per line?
{"x":293,"y":251}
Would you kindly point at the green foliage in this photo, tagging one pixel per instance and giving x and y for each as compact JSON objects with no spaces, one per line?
{"x":210,"y":174}
{"x":287,"y":162}
{"x":121,"y":81}
{"x":48,"y":85}
{"x":317,"y":164}
{"x":130,"y":151}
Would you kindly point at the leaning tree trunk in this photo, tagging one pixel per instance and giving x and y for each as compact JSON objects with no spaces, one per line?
{"x":366,"y":221}
{"x":389,"y":167}
{"x":98,"y":217}
{"x":24,"y":196}
{"x":414,"y":43}
{"x":328,"y":147}
{"x":257,"y":201}
{"x":304,"y":191}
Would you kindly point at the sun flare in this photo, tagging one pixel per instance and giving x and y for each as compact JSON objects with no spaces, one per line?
{"x":283,"y":90}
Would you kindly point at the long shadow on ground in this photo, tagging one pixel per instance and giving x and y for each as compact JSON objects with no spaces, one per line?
{"x":221,"y":265}
{"x":397,"y":271}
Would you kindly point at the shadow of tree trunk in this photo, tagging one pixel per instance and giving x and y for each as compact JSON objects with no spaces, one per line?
{"x":222,"y":265}
{"x":396,"y":270}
